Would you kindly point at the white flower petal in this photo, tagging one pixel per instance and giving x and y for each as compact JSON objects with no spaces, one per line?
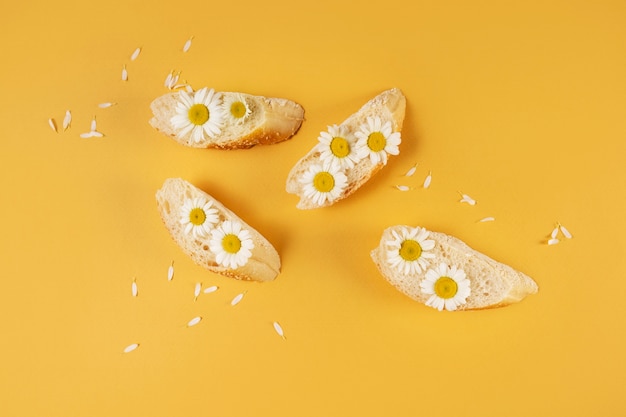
{"x":565,"y":232}
{"x":67,"y":120}
{"x":135,"y":54}
{"x":131,"y":347}
{"x":194,"y":321}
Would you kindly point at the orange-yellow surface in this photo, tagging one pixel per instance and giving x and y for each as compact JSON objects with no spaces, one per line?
{"x":521,"y":105}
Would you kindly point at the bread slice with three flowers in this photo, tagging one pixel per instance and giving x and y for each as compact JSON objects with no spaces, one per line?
{"x":225,"y":120}
{"x":347,"y":155}
{"x":444,"y":273}
{"x":213,"y":236}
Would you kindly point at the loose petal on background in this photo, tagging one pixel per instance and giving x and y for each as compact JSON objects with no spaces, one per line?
{"x":135,"y":54}
{"x":131,"y":347}
{"x":279,"y":329}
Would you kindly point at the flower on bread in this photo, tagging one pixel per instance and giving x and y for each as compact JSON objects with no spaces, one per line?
{"x":448,"y":287}
{"x":235,"y":107}
{"x":198,"y":113}
{"x":323,"y":183}
{"x":231,"y":244}
{"x":338,"y":147}
{"x":198,"y":217}
{"x":409,"y":250}
{"x":376,"y":139}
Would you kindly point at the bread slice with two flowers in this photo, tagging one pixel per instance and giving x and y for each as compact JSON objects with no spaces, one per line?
{"x":214,"y":236}
{"x":347,"y":155}
{"x":225,"y":120}
{"x":443,"y":272}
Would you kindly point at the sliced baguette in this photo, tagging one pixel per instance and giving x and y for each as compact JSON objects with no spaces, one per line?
{"x":271,"y":120}
{"x":263,"y":265}
{"x":389,"y":106}
{"x":492,"y":284}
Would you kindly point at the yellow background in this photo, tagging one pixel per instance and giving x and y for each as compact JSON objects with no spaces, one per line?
{"x":521,"y":105}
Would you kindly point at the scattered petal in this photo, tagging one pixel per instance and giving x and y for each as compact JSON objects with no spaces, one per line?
{"x":196,"y":291}
{"x":194,"y":321}
{"x":428,"y":179}
{"x":131,"y":347}
{"x":168,"y":79}
{"x":467,"y":199}
{"x":565,"y":232}
{"x":237,"y":299}
{"x":124,"y":74}
{"x":170,"y":272}
{"x":411,"y":171}
{"x":67,"y":121}
{"x":187,"y":44}
{"x":555,"y":232}
{"x":133,"y":288}
{"x":210,"y":289}
{"x":106,"y":105}
{"x":487,"y":219}
{"x":93,"y":133}
{"x":135,"y":54}
{"x":53,"y":125}
{"x":403,"y":187}
{"x":279,"y":329}
{"x":553,"y":241}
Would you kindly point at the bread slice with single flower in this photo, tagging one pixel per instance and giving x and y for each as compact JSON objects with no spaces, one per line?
{"x":213,"y":236}
{"x":225,"y":120}
{"x":443,"y":272}
{"x":347,"y":155}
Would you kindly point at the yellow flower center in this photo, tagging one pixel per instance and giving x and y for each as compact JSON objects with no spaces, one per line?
{"x":198,"y":114}
{"x":446,"y":287}
{"x":340,"y":147}
{"x":238,"y":109}
{"x":324,"y":182}
{"x":197,"y":216}
{"x":410,"y":250}
{"x":376,"y":141}
{"x":231,"y":243}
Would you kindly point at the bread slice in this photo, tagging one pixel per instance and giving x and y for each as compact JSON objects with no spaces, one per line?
{"x":265,"y":121}
{"x":262,"y":265}
{"x":388,"y":106}
{"x":491,"y":283}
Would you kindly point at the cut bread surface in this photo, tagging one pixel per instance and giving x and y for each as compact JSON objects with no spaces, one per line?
{"x":257,"y":120}
{"x":264,"y":262}
{"x":492,"y":284}
{"x":388,"y":107}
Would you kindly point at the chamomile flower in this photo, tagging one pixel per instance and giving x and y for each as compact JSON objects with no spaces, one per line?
{"x":199,"y":113}
{"x":376,"y":140}
{"x":448,"y":287}
{"x":409,"y":252}
{"x":197,"y":217}
{"x":323,"y":182}
{"x":235,"y":107}
{"x":338,"y":147}
{"x":231,"y":244}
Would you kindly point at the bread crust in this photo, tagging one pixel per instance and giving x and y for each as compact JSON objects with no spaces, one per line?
{"x":492,"y":283}
{"x":390,"y":105}
{"x":263,"y":265}
{"x":272,"y":120}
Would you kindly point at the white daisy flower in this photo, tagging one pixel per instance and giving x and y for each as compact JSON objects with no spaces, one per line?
{"x":448,"y":287}
{"x":197,"y":217}
{"x":409,"y":250}
{"x":236,"y":107}
{"x":323,"y":182}
{"x":231,"y":244}
{"x":338,"y":147}
{"x":199,"y":113}
{"x":376,"y":140}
